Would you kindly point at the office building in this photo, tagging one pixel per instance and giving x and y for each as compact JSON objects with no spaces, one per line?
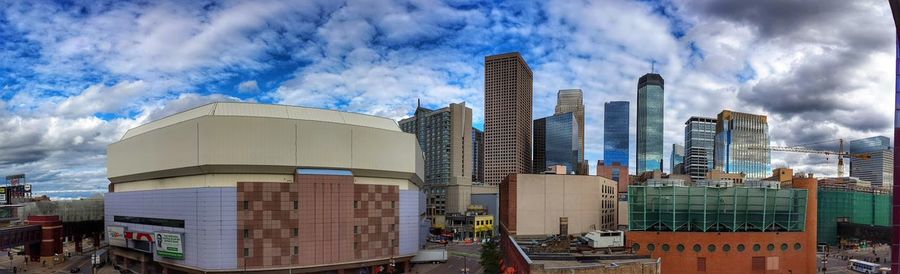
{"x":676,"y":160}
{"x":616,"y":124}
{"x":445,"y":136}
{"x":556,"y":143}
{"x":507,"y":116}
{"x":650,"y":108}
{"x":767,"y":231}
{"x":878,"y":169}
{"x":531,"y":204}
{"x":742,"y":142}
{"x":851,"y":206}
{"x":699,"y":146}
{"x":477,"y":156}
{"x":238,"y":187}
{"x":572,"y":100}
{"x":615,"y":172}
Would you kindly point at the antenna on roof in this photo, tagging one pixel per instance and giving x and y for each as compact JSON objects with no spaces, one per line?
{"x":652,"y":66}
{"x":418,"y":102}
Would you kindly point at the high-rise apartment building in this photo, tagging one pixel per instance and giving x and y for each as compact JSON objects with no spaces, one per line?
{"x":445,"y":136}
{"x":877,"y":169}
{"x":650,"y":106}
{"x":477,"y":155}
{"x":615,"y":132}
{"x":699,"y":144}
{"x":508,"y":99}
{"x":676,"y":160}
{"x":572,"y":100}
{"x":556,"y":143}
{"x":741,"y":139}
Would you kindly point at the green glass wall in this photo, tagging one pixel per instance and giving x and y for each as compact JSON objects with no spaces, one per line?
{"x":858,"y":207}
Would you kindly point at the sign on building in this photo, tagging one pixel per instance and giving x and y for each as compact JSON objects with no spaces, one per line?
{"x":116,"y":236}
{"x":169,"y":245}
{"x":15,"y":179}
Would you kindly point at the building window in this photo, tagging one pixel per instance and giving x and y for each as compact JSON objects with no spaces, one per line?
{"x":651,"y":247}
{"x":296,"y":250}
{"x":246,"y":233}
{"x":393,"y":242}
{"x":697,"y":248}
{"x":701,"y":264}
{"x":680,"y":247}
{"x":636,"y":247}
{"x":726,"y":247}
{"x":784,"y":247}
{"x":355,"y":204}
{"x":246,"y":205}
{"x":355,"y":245}
{"x":770,"y":247}
{"x":246,"y":252}
{"x":355,"y":229}
{"x":296,"y":232}
{"x":296,"y":205}
{"x":797,"y":246}
{"x":393,"y":204}
{"x":756,"y":247}
{"x":665,"y":247}
{"x":740,"y":247}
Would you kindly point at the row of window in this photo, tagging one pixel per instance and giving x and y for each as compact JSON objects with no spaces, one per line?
{"x":712,"y":247}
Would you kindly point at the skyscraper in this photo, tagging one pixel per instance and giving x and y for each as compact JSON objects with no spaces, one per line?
{"x":572,"y":100}
{"x":650,"y":97}
{"x":445,"y":136}
{"x":699,"y":144}
{"x":507,"y":116}
{"x":477,"y":155}
{"x":676,"y":160}
{"x":736,"y":133}
{"x":877,"y":169}
{"x":615,"y":132}
{"x":559,"y":143}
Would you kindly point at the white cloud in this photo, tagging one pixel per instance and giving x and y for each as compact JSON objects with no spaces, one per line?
{"x":248,"y":87}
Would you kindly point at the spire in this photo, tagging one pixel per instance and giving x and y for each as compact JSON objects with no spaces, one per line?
{"x":418,"y":102}
{"x":652,"y":66}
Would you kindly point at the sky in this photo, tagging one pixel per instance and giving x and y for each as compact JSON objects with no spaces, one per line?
{"x":75,"y":75}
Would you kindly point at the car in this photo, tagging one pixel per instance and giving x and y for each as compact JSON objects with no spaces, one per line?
{"x":75,"y":270}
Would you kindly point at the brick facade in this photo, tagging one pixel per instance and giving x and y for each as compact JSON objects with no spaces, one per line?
{"x":376,"y":218}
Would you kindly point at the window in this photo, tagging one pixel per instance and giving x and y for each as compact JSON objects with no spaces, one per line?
{"x":651,"y":247}
{"x":770,"y":247}
{"x":246,"y":252}
{"x":797,"y":246}
{"x":784,"y":247}
{"x":701,"y":264}
{"x":246,"y":205}
{"x":740,"y":247}
{"x":296,"y":250}
{"x":636,"y":247}
{"x":246,"y":233}
{"x":756,"y":247}
{"x":296,"y":205}
{"x":726,"y":247}
{"x":355,"y":229}
{"x":355,"y":245}
{"x":711,"y":248}
{"x":296,"y":232}
{"x":680,"y":247}
{"x":697,"y":248}
{"x":355,"y":204}
{"x":393,"y":204}
{"x":665,"y":247}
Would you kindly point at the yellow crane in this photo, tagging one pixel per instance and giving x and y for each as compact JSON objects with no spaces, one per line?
{"x":841,"y":154}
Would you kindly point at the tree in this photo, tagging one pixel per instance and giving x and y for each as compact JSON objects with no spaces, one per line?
{"x":490,"y":257}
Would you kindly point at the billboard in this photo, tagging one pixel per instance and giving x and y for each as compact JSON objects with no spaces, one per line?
{"x":169,"y":245}
{"x":15,"y":179}
{"x":3,"y":200}
{"x":116,"y":236}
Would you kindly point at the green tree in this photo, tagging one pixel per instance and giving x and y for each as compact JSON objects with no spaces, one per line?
{"x":490,"y":257}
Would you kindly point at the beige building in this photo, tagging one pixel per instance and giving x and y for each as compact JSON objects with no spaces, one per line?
{"x":532,"y":204}
{"x":507,"y":116}
{"x":572,"y":100}
{"x":445,"y":136}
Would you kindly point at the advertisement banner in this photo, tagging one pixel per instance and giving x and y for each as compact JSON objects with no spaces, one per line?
{"x":116,"y":236}
{"x":3,"y":196}
{"x":169,"y":245}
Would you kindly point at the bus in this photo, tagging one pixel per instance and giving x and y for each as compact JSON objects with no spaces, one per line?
{"x":864,"y":267}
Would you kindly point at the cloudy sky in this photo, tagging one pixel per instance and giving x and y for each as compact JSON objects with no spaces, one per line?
{"x":75,"y":76}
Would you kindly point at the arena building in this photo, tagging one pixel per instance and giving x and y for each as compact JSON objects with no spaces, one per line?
{"x":230,"y":187}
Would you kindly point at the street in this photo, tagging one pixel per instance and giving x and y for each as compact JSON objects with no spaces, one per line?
{"x":459,"y":256}
{"x":838,"y":264}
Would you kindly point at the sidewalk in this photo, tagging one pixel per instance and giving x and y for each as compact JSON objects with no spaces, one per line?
{"x":78,"y":259}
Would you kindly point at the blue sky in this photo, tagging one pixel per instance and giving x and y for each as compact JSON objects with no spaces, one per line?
{"x":75,"y":75}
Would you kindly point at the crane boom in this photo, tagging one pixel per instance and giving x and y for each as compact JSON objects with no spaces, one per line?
{"x":840,"y":153}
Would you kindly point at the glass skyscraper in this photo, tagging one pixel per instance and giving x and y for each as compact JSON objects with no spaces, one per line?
{"x":615,"y":132}
{"x":736,"y":134}
{"x":877,"y":169}
{"x":556,"y":142}
{"x":699,"y":144}
{"x":676,"y":160}
{"x":650,"y":105}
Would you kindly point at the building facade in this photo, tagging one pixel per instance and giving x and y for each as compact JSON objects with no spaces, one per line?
{"x":699,"y":146}
{"x":615,"y":172}
{"x":768,"y":230}
{"x":676,"y":160}
{"x":445,"y":136}
{"x":237,"y":187}
{"x":556,"y":143}
{"x":477,"y":156}
{"x":879,"y":168}
{"x":870,"y":207}
{"x":650,"y":108}
{"x":508,"y":99}
{"x":572,"y":100}
{"x":616,"y":123}
{"x":532,"y":204}
{"x":742,"y":142}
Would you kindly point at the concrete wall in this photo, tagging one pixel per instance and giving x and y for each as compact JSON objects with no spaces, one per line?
{"x":409,"y":222}
{"x":543,"y":199}
{"x":210,"y":221}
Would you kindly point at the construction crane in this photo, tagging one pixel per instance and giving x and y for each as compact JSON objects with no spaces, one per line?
{"x":841,"y":154}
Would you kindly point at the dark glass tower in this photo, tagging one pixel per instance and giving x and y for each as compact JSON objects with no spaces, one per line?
{"x":650,"y":106}
{"x":615,"y":132}
{"x":559,"y":144}
{"x":699,"y":144}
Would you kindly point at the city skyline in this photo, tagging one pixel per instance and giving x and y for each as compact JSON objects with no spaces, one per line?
{"x":74,"y":84}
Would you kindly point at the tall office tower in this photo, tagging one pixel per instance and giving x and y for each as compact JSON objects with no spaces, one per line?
{"x":650,"y":97}
{"x":699,"y":144}
{"x":736,"y":133}
{"x":616,"y":123}
{"x":445,"y":136}
{"x":676,"y":160}
{"x":877,"y":169}
{"x":556,"y":143}
{"x":572,"y":100}
{"x":477,"y":155}
{"x":507,"y":116}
